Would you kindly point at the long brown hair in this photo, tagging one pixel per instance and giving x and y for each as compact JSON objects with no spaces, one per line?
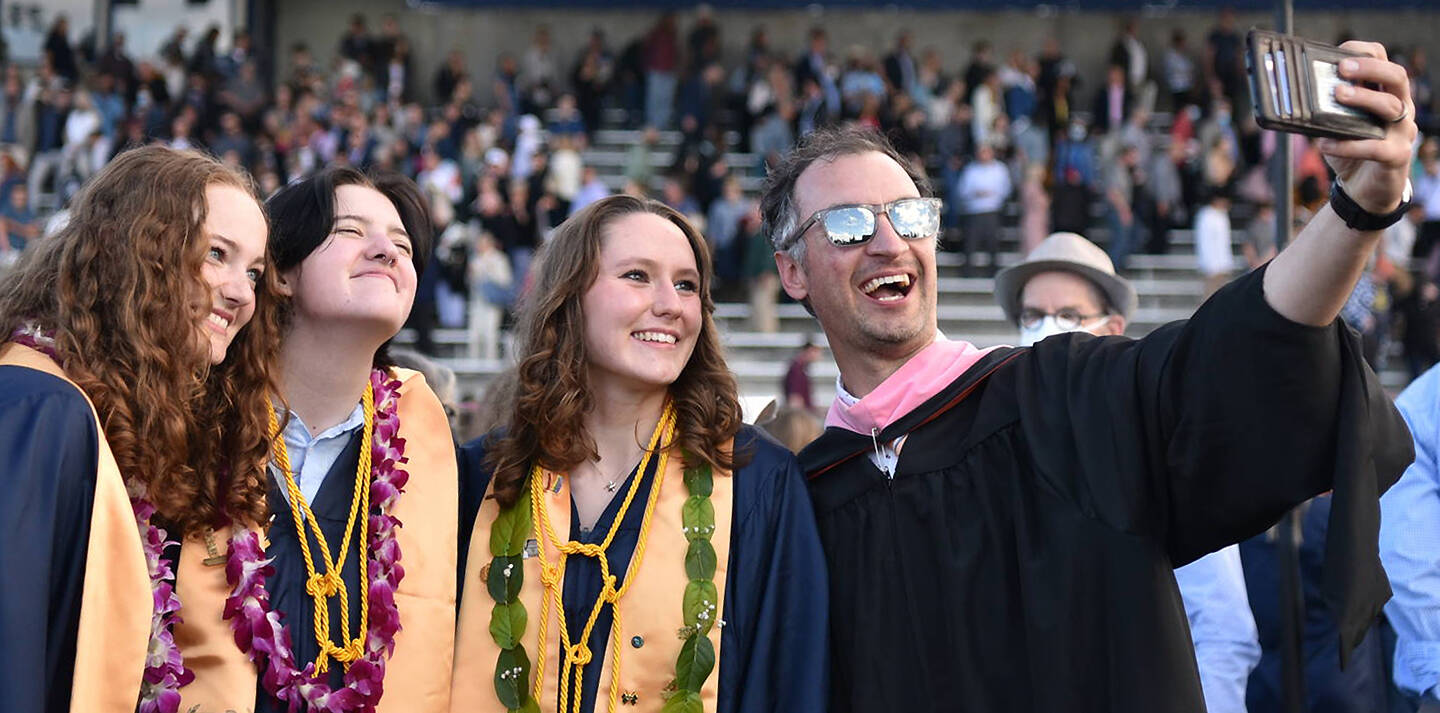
{"x":121,"y":287}
{"x":548,"y":393}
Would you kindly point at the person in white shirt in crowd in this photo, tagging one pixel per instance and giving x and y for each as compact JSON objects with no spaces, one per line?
{"x":84,"y":151}
{"x":530,"y":142}
{"x":988,"y":104}
{"x":1213,"y":251}
{"x":1399,"y":239}
{"x":981,"y":192}
{"x":1068,"y":284}
{"x":491,"y":291}
{"x":566,"y":168}
{"x":439,"y":175}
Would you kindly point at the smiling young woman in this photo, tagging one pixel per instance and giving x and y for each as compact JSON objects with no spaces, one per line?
{"x":134,"y":341}
{"x":625,"y":501}
{"x":317,"y":609}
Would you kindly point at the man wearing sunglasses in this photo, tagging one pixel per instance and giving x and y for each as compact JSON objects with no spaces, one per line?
{"x":1001,"y":526}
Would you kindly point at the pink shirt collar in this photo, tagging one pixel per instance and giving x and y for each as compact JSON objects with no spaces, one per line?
{"x":914,"y":383}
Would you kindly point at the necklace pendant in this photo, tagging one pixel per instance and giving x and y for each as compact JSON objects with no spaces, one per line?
{"x":215,"y":558}
{"x":610,"y":486}
{"x":532,"y":549}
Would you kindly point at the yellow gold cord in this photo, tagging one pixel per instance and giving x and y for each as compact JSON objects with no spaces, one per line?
{"x":322,"y":586}
{"x":552,"y":576}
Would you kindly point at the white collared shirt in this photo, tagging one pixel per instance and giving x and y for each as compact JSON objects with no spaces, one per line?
{"x":312,"y":457}
{"x":885,"y":456}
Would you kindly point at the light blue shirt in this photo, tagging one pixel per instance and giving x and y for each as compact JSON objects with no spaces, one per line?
{"x":983,"y":188}
{"x":1227,"y":645}
{"x":312,"y":457}
{"x":1427,"y":194}
{"x":1410,"y":545}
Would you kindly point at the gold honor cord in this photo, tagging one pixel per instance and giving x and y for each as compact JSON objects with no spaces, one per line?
{"x":505,"y":577}
{"x":322,"y":587}
{"x":577,"y":655}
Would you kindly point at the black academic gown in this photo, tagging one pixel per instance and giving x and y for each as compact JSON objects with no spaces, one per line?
{"x":773,"y":649}
{"x":287,"y":585}
{"x":1021,"y":558}
{"x":49,"y":448}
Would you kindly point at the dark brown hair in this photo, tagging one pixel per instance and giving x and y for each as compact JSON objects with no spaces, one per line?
{"x":302,"y":218}
{"x":303,"y":213}
{"x":547,"y":394}
{"x":778,"y":208}
{"x":121,"y":286}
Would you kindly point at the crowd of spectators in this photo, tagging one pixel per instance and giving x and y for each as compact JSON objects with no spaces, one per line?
{"x":1018,"y":144}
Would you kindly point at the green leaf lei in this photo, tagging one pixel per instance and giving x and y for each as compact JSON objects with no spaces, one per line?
{"x":701,"y":601}
{"x":508,"y":618}
{"x":504,"y":580}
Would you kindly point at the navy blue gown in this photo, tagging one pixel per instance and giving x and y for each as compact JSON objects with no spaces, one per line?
{"x":287,"y":585}
{"x":49,"y":448}
{"x":774,"y":648}
{"x":1360,"y":687}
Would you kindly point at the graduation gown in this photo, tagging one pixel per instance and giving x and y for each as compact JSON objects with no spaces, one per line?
{"x":773,"y":653}
{"x":1021,"y":558}
{"x":47,"y":469}
{"x":417,"y":673}
{"x":287,"y":586}
{"x":65,"y":520}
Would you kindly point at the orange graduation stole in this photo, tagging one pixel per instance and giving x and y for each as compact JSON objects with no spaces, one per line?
{"x":651,"y":610}
{"x":417,"y":675}
{"x":116,"y":609}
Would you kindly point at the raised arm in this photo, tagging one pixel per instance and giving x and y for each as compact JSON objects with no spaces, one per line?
{"x":1309,"y":281}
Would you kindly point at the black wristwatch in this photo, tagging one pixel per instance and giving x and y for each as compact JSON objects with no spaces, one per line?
{"x":1358,"y":218}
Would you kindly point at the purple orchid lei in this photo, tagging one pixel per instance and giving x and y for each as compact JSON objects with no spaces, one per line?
{"x":260,"y":631}
{"x":165,"y":670}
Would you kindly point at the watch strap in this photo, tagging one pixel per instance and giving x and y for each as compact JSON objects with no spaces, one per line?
{"x":1358,"y":218}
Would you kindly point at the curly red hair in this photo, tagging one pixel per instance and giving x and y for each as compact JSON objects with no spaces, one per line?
{"x":547,"y":394}
{"x":121,"y":287}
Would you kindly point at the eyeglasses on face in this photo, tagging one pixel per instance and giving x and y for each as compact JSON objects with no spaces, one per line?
{"x":1066,"y":319}
{"x":855,"y":224}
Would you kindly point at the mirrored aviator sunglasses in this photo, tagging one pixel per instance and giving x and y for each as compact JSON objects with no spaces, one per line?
{"x":847,"y":225}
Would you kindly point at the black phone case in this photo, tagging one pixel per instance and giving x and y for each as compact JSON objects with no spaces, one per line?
{"x":1308,"y":115}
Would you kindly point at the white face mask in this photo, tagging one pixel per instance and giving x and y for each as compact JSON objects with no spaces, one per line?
{"x":1047,"y":327}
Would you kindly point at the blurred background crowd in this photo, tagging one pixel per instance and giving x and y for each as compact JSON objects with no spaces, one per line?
{"x":1152,"y":154}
